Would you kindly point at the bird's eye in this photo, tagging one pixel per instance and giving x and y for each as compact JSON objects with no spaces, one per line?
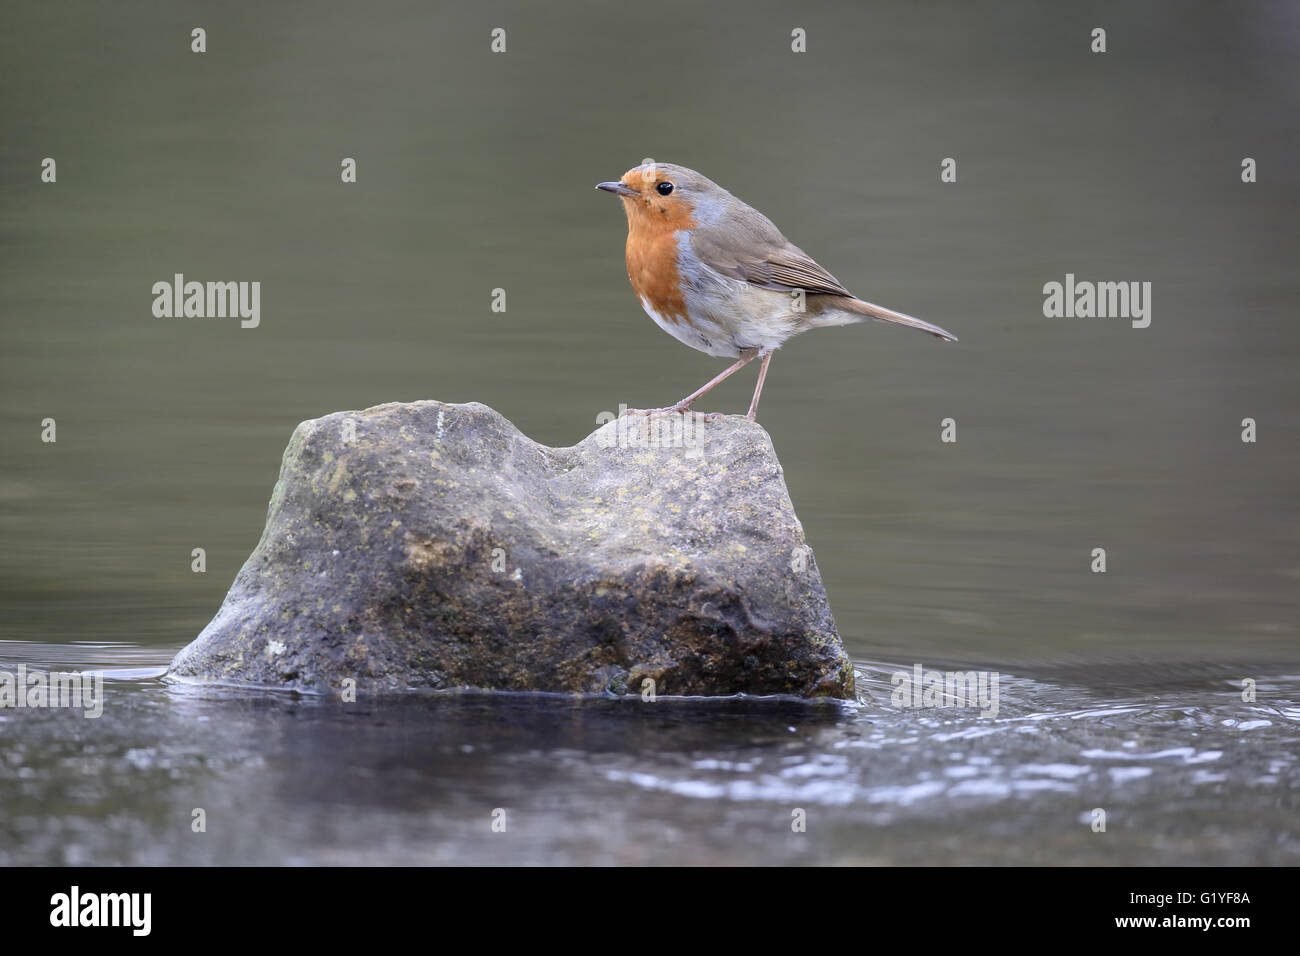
{"x":664,"y":188}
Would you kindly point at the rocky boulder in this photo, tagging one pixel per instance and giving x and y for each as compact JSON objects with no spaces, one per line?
{"x":429,"y":545}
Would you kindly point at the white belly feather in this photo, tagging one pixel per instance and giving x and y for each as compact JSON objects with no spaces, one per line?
{"x":700,"y":333}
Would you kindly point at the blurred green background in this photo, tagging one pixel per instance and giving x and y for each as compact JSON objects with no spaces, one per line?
{"x":475,"y":171}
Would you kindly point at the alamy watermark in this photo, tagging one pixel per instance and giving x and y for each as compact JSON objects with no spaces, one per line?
{"x":211,"y":300}
{"x":939,"y":689}
{"x":75,"y":908}
{"x":44,"y":689}
{"x":1075,"y":299}
{"x":668,"y":430}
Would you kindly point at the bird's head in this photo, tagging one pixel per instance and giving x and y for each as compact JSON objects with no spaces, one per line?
{"x":663,"y":194}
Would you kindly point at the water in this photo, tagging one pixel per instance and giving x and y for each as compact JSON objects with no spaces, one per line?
{"x":475,"y":173}
{"x":289,"y":779}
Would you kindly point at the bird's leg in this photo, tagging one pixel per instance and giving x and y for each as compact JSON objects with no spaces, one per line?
{"x":758,"y":389}
{"x":746,"y":356}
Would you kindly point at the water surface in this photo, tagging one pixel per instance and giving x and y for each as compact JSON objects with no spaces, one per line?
{"x":1186,"y":773}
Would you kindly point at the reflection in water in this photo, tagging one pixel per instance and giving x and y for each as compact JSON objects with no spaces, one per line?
{"x":288,"y":778}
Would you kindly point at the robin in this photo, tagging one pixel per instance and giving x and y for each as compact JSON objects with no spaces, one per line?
{"x":717,"y":275}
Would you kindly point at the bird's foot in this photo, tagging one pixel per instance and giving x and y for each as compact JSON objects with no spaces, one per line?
{"x":678,"y":409}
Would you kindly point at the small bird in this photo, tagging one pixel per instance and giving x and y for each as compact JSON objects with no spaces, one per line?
{"x":717,"y":275}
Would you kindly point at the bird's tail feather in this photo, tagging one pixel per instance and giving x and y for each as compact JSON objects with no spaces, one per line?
{"x":881,"y":314}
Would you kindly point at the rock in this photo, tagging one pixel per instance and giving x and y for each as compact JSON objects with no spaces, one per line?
{"x":430,"y":545}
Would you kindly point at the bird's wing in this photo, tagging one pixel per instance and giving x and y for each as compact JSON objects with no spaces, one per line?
{"x":790,"y":268}
{"x":781,"y":265}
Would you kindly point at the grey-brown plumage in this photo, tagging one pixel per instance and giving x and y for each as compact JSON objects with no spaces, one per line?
{"x":717,"y":275}
{"x":738,"y":241}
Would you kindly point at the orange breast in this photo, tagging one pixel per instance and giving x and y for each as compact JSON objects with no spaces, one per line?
{"x":652,"y":257}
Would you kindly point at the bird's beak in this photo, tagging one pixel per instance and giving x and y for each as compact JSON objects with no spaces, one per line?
{"x":618,"y":188}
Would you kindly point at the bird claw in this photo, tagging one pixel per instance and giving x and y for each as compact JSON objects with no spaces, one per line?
{"x":672,"y":409}
{"x":675,"y":410}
